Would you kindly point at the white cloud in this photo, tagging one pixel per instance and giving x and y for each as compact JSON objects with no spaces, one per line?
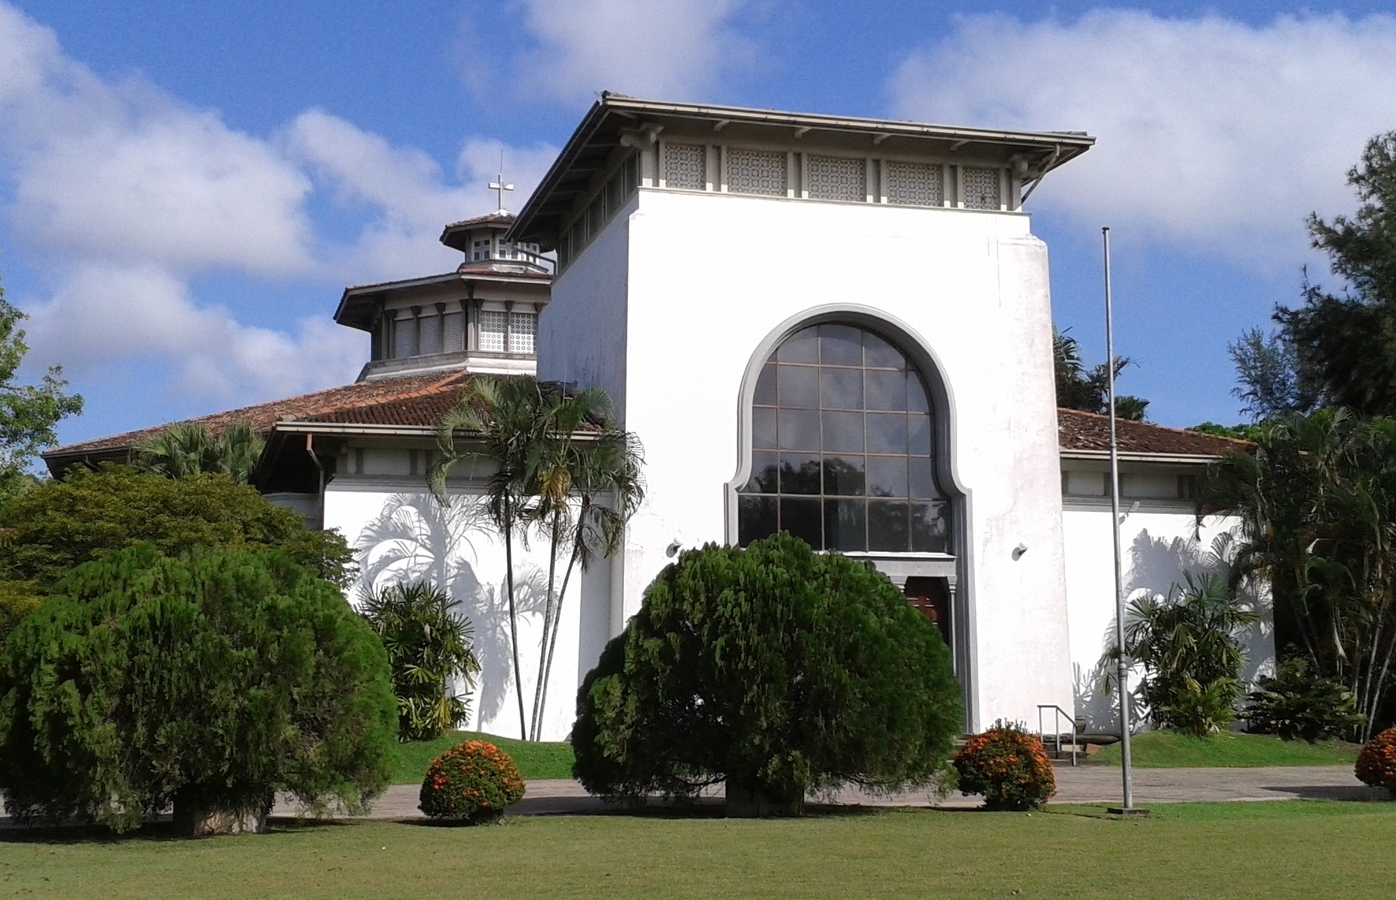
{"x":674,"y":49}
{"x":104,"y":315}
{"x":406,"y":191}
{"x":1212,"y":133}
{"x":120,"y":198}
{"x":115,"y":171}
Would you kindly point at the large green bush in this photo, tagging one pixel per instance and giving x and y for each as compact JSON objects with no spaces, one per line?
{"x":62,"y":524}
{"x":210,"y":681}
{"x":428,"y":647}
{"x":1296,"y":703}
{"x":775,"y":669}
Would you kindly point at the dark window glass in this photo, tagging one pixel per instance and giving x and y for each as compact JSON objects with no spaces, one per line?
{"x":878,"y":354}
{"x":800,"y":347}
{"x":886,"y":433}
{"x":843,"y":432}
{"x":799,"y":429}
{"x":801,"y":517}
{"x":917,"y":400}
{"x":756,"y":518}
{"x":922,"y":479}
{"x":841,"y":388}
{"x":887,"y":526}
{"x":930,"y":532}
{"x":766,"y":386}
{"x":798,"y":386}
{"x":845,"y":524}
{"x":918,"y":434}
{"x":763,"y":429}
{"x":843,"y":448}
{"x":799,"y":473}
{"x":843,"y":475}
{"x":887,"y":476}
{"x":886,"y":390}
{"x":765,"y":467}
{"x":840,"y":345}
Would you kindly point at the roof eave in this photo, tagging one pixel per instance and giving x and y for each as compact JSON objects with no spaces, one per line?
{"x":527,"y":226}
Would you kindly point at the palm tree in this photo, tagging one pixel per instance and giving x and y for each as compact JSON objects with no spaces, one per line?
{"x":599,"y":473}
{"x":1189,"y":648}
{"x":502,"y":418}
{"x":560,"y":472}
{"x":1318,"y":504}
{"x":190,"y":448}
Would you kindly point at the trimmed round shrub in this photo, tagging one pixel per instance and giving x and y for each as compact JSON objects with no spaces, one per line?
{"x":471,"y":783}
{"x":1008,"y":766}
{"x":1376,"y":761}
{"x":209,"y":682}
{"x":775,"y":669}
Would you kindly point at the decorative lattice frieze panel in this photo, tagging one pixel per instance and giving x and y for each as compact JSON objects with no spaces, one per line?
{"x":404,"y":335}
{"x":453,"y":334}
{"x":981,"y":188}
{"x":492,"y":329}
{"x":686,"y":166}
{"x":523,"y":332}
{"x":915,"y":184}
{"x":837,"y":178}
{"x":756,"y":172}
{"x":429,"y":332}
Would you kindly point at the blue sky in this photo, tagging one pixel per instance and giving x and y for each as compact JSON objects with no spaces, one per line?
{"x":186,"y":188}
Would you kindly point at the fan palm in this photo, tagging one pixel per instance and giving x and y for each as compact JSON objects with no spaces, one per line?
{"x":190,"y":448}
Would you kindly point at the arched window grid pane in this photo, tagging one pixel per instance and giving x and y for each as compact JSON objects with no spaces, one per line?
{"x":842,"y":441}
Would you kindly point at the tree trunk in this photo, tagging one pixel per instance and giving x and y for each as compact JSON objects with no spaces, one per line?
{"x":752,"y":799}
{"x":513,"y":618}
{"x":195,"y":819}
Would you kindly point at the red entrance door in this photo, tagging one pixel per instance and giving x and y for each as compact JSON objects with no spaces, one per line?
{"x":931,"y":597}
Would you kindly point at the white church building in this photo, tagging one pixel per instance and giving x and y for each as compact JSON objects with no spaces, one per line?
{"x":831,"y":326}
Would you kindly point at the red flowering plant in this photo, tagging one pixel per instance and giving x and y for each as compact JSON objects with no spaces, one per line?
{"x":1008,"y":766}
{"x":1376,"y":762}
{"x":471,"y":783}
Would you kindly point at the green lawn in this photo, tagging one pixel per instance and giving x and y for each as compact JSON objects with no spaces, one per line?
{"x":1169,"y":750}
{"x":540,"y":760}
{"x":1295,"y":849}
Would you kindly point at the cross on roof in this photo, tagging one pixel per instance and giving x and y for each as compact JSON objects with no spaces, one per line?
{"x":499,"y":187}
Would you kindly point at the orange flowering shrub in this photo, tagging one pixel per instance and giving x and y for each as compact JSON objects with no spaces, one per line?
{"x":471,"y":783}
{"x":1008,"y":766}
{"x":1376,"y":763}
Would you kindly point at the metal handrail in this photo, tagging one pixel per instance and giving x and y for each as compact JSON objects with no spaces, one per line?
{"x":1056,"y":730}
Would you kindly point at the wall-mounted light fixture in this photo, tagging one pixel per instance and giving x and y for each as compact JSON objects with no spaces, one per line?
{"x":1018,"y":551}
{"x":673,"y":549}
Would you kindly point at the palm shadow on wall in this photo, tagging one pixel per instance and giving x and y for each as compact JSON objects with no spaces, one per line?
{"x":414,"y":538}
{"x":1154,"y":565}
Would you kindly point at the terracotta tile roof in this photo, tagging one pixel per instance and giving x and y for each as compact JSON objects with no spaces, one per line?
{"x":410,"y":400}
{"x":493,"y":218}
{"x":1091,"y":432}
{"x":419,"y":401}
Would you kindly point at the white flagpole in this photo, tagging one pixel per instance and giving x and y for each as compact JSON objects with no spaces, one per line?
{"x":1126,"y":764}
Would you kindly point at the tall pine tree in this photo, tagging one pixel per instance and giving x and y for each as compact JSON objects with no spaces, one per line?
{"x":1347,"y":342}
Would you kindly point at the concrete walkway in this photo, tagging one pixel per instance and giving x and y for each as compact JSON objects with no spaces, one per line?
{"x":1083,"y":784}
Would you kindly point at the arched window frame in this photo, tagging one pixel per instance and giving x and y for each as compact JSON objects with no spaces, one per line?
{"x":954,"y":566}
{"x":920,"y":355}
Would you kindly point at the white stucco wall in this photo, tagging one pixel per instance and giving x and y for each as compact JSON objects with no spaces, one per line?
{"x":400,"y":534}
{"x":1159,"y":542}
{"x":707,"y":278}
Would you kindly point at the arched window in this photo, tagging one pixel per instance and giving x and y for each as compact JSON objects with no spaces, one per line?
{"x":842,"y":447}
